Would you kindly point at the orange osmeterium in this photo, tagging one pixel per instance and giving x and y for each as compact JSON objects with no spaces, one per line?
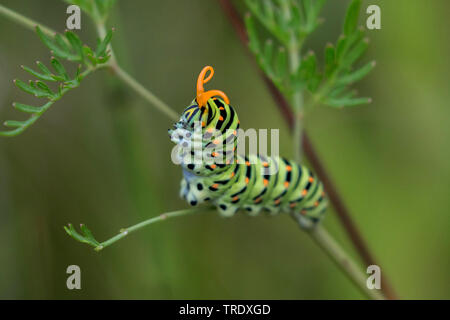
{"x":202,"y":96}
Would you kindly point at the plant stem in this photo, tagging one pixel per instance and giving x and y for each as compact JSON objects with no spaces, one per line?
{"x":297,"y":103}
{"x":126,"y":231}
{"x":24,"y":21}
{"x":144,"y":93}
{"x":343,"y":261}
{"x":342,"y":211}
{"x":294,"y":52}
{"x":133,"y":84}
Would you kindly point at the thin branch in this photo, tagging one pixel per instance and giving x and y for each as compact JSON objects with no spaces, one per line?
{"x":144,"y":93}
{"x":343,"y":261}
{"x":294,"y":52}
{"x":24,"y":21}
{"x":342,"y":211}
{"x":87,"y":237}
{"x":132,"y":83}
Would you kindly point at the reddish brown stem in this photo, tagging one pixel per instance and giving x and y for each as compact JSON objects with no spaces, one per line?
{"x":339,"y":206}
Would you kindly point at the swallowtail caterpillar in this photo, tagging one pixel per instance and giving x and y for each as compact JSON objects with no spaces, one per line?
{"x":206,"y":138}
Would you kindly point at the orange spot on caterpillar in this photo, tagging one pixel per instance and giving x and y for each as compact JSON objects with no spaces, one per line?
{"x":247,"y":163}
{"x":216,"y":141}
{"x":288,"y":168}
{"x":265,"y":164}
{"x":257,"y":200}
{"x":303,"y":212}
{"x":221,"y":108}
{"x":286,"y":184}
{"x":316,"y":203}
{"x":292,"y":205}
{"x":235,"y":198}
{"x":304,"y":192}
{"x":203,"y":124}
{"x":266,"y":182}
{"x":311,"y":179}
{"x":213,"y":166}
{"x":277,"y":201}
{"x":232,"y":175}
{"x":246,"y":180}
{"x":215,"y":186}
{"x":214,"y":154}
{"x":210,"y":130}
{"x":221,"y":118}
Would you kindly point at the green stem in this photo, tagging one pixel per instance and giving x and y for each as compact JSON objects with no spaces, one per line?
{"x":126,"y":231}
{"x":294,"y":52}
{"x":297,"y":103}
{"x":144,"y":93}
{"x":135,"y":85}
{"x":24,"y":21}
{"x":329,"y":245}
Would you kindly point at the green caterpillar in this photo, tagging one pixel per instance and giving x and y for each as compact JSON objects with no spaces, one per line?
{"x":208,"y":129}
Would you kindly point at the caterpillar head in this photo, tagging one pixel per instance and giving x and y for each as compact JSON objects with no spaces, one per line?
{"x":184,"y":129}
{"x":197,"y":112}
{"x":209,"y":119}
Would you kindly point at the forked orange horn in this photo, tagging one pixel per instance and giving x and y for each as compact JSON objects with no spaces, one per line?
{"x":202,"y":96}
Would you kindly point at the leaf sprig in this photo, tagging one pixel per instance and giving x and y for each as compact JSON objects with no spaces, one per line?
{"x":284,"y":18}
{"x":86,"y":236}
{"x":68,"y":47}
{"x":330,"y":84}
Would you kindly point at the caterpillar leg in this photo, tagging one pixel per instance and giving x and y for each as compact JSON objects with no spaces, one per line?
{"x":183,"y":189}
{"x":309,"y":216}
{"x":187,"y":193}
{"x":194,"y":192}
{"x":226,"y":209}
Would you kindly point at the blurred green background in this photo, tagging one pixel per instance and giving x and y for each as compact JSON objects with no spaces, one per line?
{"x":101,"y":156}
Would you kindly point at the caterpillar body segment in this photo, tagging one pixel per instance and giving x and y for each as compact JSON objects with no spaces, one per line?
{"x":213,"y":170}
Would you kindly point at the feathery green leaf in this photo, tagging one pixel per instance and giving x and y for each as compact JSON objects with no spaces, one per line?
{"x":59,"y":68}
{"x":356,"y":75}
{"x":103,"y":45}
{"x":76,"y":44}
{"x":38,"y":75}
{"x":13,"y":123}
{"x":351,"y":18}
{"x":61,"y":48}
{"x":26,"y":108}
{"x":25,"y":87}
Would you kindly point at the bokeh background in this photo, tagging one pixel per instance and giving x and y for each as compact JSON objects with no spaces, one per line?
{"x":101,"y":156}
